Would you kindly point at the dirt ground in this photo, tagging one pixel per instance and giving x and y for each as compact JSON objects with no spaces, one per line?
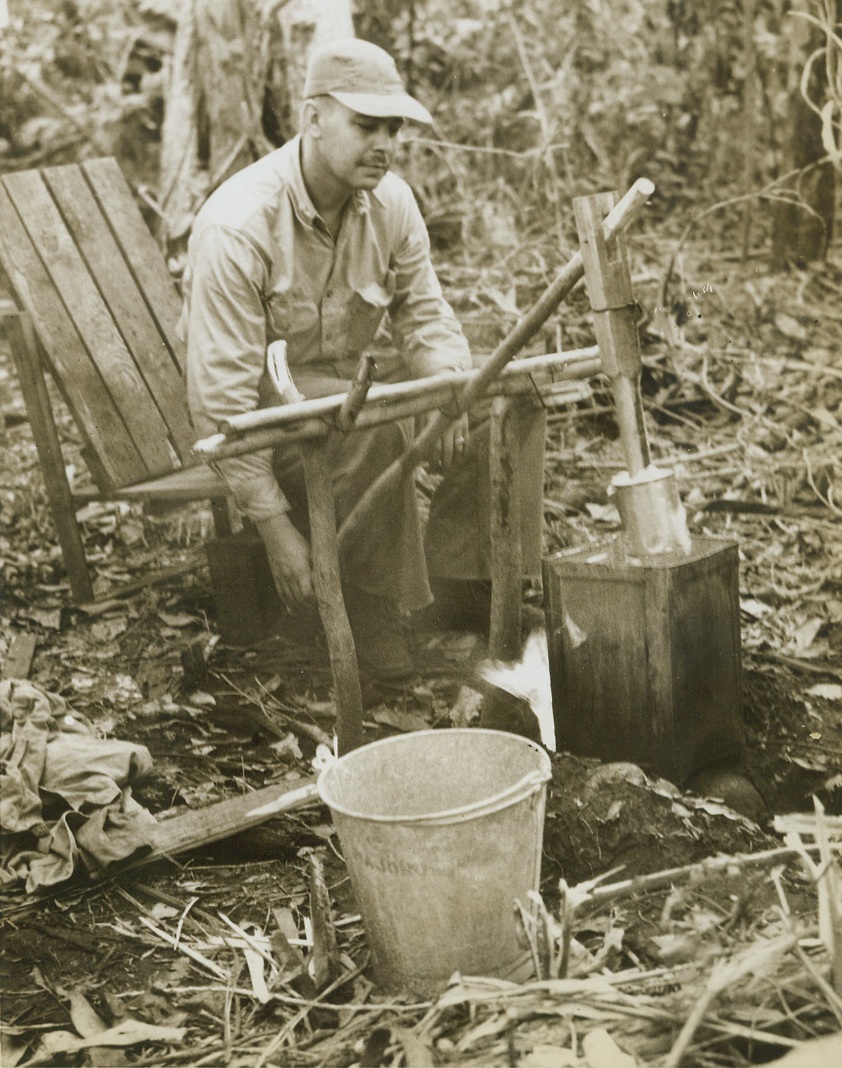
{"x":150,"y":667}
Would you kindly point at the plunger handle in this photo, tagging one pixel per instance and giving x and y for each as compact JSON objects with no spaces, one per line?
{"x":608,"y":279}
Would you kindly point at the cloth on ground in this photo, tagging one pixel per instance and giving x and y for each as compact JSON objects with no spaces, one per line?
{"x":65,"y":796}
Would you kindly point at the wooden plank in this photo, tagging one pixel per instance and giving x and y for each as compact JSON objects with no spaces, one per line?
{"x":197,"y":483}
{"x":145,"y":260}
{"x":94,"y":410}
{"x":203,"y":826}
{"x":19,"y":658}
{"x":31,"y":377}
{"x":506,"y":533}
{"x":91,"y":317}
{"x":107,"y":265}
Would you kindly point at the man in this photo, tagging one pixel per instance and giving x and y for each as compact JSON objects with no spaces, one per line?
{"x":313,"y":245}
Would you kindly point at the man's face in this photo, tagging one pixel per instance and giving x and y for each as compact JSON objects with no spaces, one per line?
{"x":356,"y":150}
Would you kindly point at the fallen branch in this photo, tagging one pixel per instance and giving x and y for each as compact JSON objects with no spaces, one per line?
{"x":710,"y":865}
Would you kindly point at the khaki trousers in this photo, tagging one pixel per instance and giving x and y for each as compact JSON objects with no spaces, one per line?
{"x":396,"y":553}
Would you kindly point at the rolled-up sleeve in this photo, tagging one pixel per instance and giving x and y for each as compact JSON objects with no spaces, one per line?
{"x":423,"y":324}
{"x":226,"y":355}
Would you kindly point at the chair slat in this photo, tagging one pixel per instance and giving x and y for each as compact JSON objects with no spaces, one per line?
{"x":142,"y":254}
{"x":112,"y":275}
{"x":92,"y":318}
{"x":98,"y":418}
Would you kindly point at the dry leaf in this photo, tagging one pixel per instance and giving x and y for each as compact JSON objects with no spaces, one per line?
{"x":12,"y":1052}
{"x":176,"y":619}
{"x":126,"y":1033}
{"x":325,"y":962}
{"x":790,"y":327}
{"x":549,"y":1057}
{"x":417,"y":1052}
{"x":805,"y":635}
{"x":601,"y":1051}
{"x":830,"y":691}
{"x":83,"y":1016}
{"x":466,"y":708}
{"x":400,"y":720}
{"x":817,"y":1053}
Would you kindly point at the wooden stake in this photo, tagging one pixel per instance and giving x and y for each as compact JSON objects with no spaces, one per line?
{"x":324,"y":546}
{"x":355,"y":399}
{"x":506,"y":542}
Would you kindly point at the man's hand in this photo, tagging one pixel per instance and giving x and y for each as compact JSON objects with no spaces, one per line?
{"x":454,"y":441}
{"x":451,"y":445}
{"x":289,"y":559}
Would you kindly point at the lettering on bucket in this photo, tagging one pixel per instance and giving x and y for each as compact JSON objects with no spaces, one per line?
{"x":389,"y":864}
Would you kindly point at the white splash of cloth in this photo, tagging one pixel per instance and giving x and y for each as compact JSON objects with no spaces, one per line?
{"x":528,"y":679}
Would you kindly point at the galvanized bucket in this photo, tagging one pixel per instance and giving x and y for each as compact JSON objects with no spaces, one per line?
{"x":441,"y":832}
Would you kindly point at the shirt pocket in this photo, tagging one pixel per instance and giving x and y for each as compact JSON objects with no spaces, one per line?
{"x":367,"y":304}
{"x":291,"y":317}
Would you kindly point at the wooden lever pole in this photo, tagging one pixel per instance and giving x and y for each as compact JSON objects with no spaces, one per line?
{"x":627,"y":209}
{"x":608,"y":278}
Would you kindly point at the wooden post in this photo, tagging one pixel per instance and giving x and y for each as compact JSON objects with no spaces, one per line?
{"x":40,"y":414}
{"x":324,"y":546}
{"x":351,"y":407}
{"x":506,"y":544}
{"x":608,"y":279}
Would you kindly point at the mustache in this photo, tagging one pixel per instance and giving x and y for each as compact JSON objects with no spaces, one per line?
{"x":377,"y":161}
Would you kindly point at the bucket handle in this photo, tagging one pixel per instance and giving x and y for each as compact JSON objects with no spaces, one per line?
{"x":530,"y":782}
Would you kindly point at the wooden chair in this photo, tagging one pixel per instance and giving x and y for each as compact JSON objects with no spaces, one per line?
{"x":95,"y":306}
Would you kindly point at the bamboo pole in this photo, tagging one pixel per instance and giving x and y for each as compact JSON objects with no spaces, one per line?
{"x":556,"y":366}
{"x":558,"y":387}
{"x":627,"y":209}
{"x":611,"y":296}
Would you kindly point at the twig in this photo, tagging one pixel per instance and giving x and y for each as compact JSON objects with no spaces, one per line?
{"x":209,"y":965}
{"x":826,"y":500}
{"x":251,"y":942}
{"x":546,"y":132}
{"x":708,"y":866}
{"x":182,"y":918}
{"x":724,"y":974}
{"x":486,"y":149}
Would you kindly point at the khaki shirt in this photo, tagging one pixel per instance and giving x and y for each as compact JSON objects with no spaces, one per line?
{"x":262,"y":266}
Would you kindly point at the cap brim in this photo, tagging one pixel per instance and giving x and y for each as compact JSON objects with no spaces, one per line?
{"x":385,"y":106}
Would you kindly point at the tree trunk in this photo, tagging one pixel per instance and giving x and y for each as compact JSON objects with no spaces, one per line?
{"x":305,"y":24}
{"x":212,"y":124}
{"x":802,"y":231}
{"x":237,"y":68}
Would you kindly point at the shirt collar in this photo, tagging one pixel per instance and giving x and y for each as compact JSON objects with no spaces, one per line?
{"x":304,"y":207}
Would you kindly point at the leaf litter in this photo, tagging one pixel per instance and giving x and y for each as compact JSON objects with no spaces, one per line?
{"x":719,"y":940}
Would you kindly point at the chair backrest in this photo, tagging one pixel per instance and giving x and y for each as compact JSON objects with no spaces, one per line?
{"x":82,"y":264}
